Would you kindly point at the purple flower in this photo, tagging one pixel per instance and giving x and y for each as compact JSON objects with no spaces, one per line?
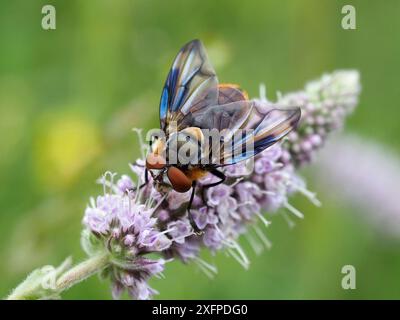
{"x":213,"y":238}
{"x":128,"y":230}
{"x":176,"y":199}
{"x":263,"y":165}
{"x":205,"y":216}
{"x":237,"y":170}
{"x":218,"y":194}
{"x":134,"y":279}
{"x":100,"y":213}
{"x":179,"y":230}
{"x":125,"y":183}
{"x":249,"y":194}
{"x":367,"y":175}
{"x":187,"y":251}
{"x":140,"y":290}
{"x":325,"y":104}
{"x":133,"y":225}
{"x":226,"y":208}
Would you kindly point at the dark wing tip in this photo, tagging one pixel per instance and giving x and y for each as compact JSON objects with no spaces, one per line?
{"x":197,"y":41}
{"x":193,"y":43}
{"x":295,"y":117}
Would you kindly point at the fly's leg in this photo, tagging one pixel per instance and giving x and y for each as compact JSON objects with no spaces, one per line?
{"x":197,"y":231}
{"x":218,"y":174}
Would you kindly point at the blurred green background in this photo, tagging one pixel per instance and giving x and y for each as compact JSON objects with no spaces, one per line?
{"x":69,"y":97}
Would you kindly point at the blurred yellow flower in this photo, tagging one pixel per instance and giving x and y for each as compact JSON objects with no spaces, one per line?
{"x":63,"y":146}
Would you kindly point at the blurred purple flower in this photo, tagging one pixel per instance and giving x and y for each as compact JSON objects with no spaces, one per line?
{"x":367,"y":175}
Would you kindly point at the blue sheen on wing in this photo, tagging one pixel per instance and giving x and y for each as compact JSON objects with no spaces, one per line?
{"x":264,"y":143}
{"x":276,"y":124}
{"x":191,"y":85}
{"x":164,"y":104}
{"x":180,"y":93}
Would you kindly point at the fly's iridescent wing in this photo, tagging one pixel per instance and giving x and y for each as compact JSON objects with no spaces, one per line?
{"x":191,"y":86}
{"x":191,"y":97}
{"x":230,"y":112}
{"x":228,"y":92}
{"x":258,"y":132}
{"x":244,"y":131}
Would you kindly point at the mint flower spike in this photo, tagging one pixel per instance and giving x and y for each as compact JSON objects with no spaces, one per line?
{"x":129,"y":236}
{"x":325,"y":105}
{"x":117,"y":222}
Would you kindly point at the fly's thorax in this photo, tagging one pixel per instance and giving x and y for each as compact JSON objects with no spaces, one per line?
{"x":185,"y":147}
{"x":175,"y":163}
{"x":195,"y":132}
{"x":158,"y":146}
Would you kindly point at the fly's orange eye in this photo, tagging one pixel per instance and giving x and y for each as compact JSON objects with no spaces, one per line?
{"x":155,"y":161}
{"x":179,"y":181}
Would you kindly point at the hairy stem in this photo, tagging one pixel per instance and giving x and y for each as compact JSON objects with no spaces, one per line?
{"x":82,"y":271}
{"x":38,"y":284}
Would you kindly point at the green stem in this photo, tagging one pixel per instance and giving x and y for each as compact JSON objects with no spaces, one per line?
{"x":82,"y":271}
{"x":36,"y":285}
